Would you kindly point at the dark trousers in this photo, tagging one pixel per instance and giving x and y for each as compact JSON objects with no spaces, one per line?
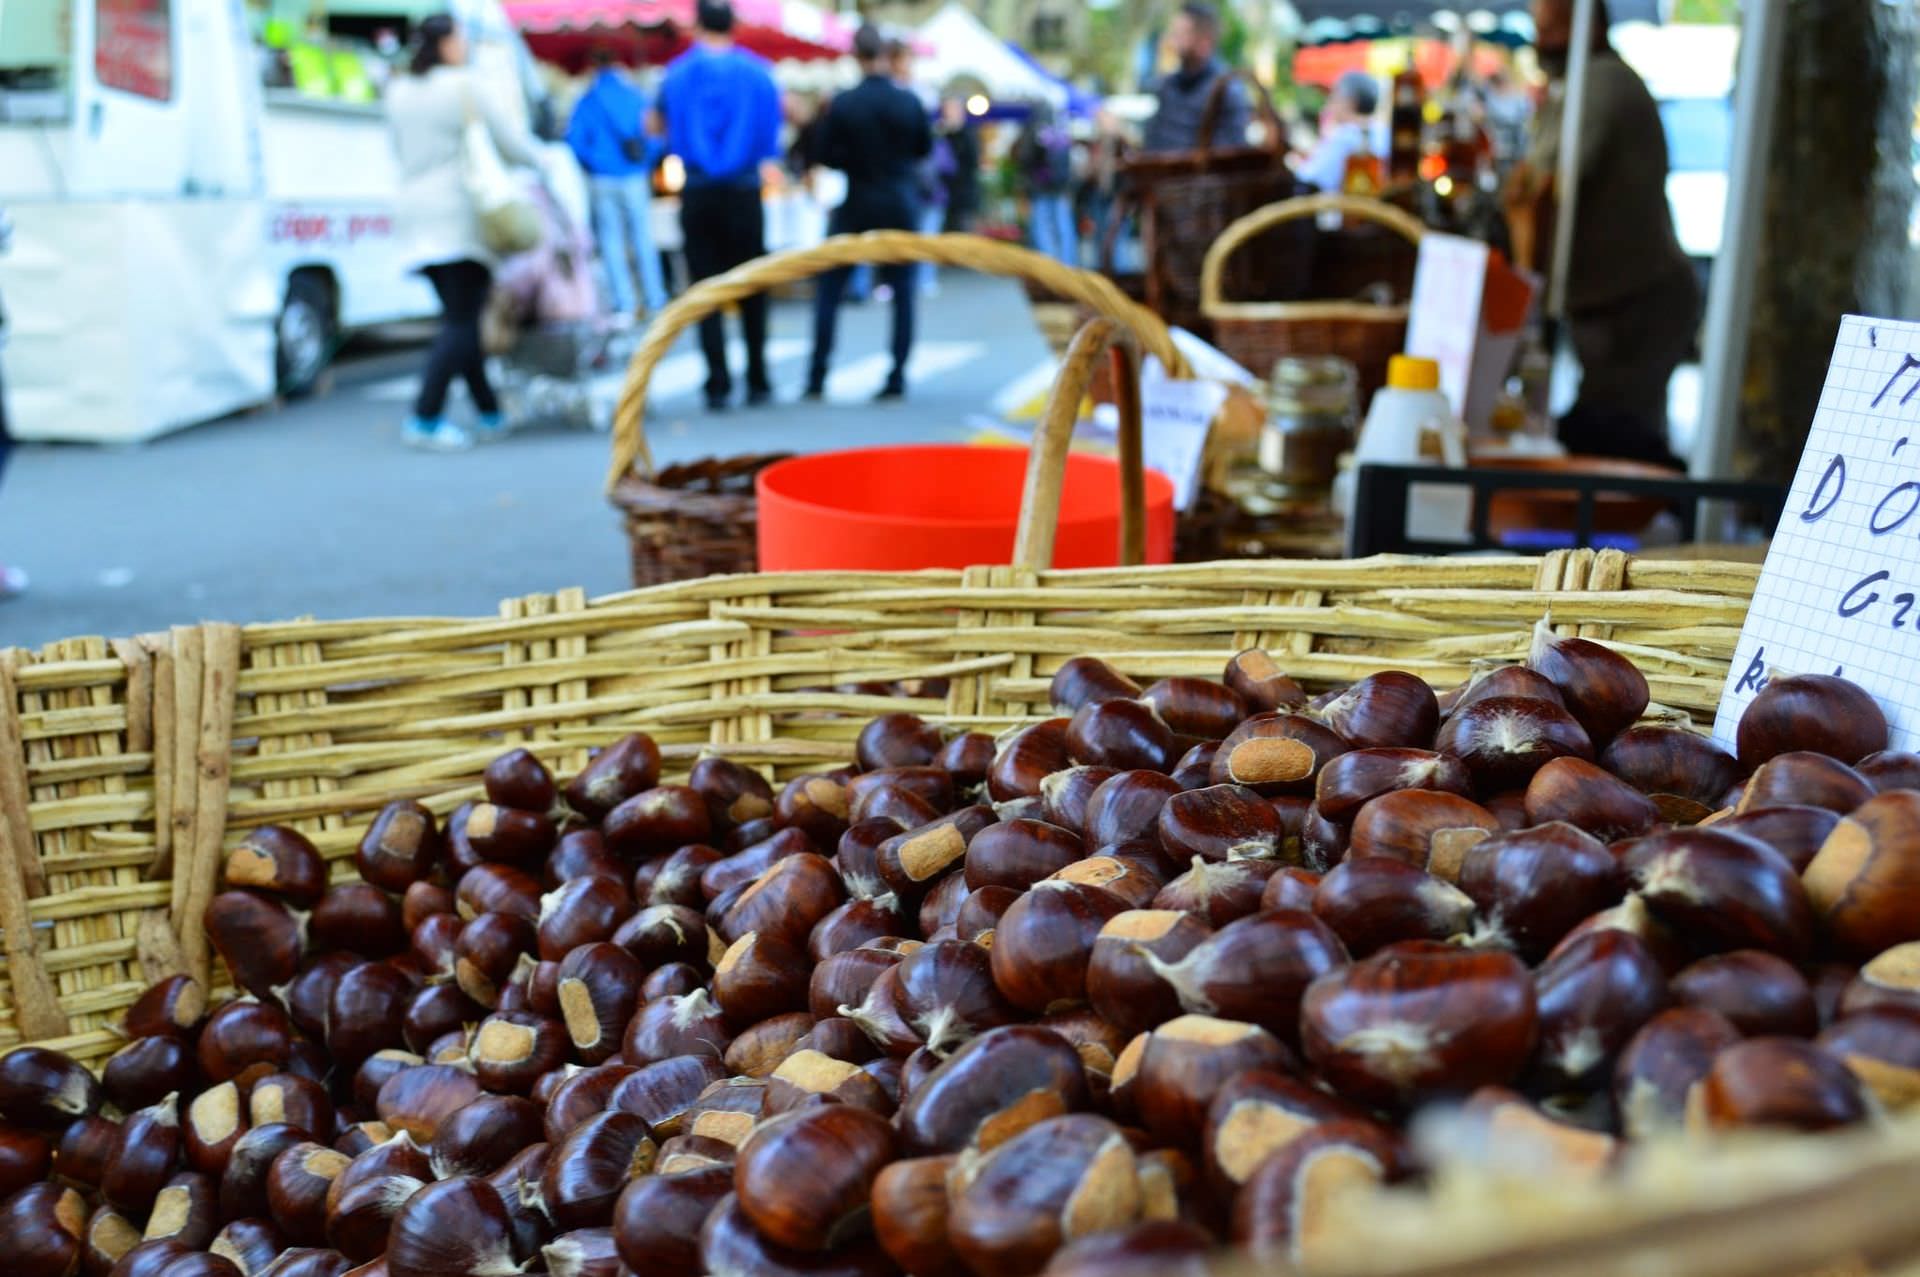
{"x":463,"y":288}
{"x":1628,"y":351}
{"x":829,"y":289}
{"x":725,"y":227}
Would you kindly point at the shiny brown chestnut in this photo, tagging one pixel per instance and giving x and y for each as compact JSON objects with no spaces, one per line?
{"x":1602,"y":689}
{"x":415,"y":1100}
{"x":730,"y":1246}
{"x":145,"y":1069}
{"x":675,"y":880}
{"x":1283,"y":1209}
{"x":1587,"y":797}
{"x":1891,"y":769}
{"x":1780,"y":1082}
{"x":1026,"y":758}
{"x":185,"y":1210}
{"x":1134,"y":871}
{"x":689,"y":1024}
{"x":663,"y":934}
{"x":1259,"y":681}
{"x":844,"y":979}
{"x":1759,"y":993}
{"x":1803,"y":778}
{"x":1428,"y":829}
{"x":367,"y":1012}
{"x":587,"y":1171}
{"x":1864,"y":882}
{"x":1592,"y":996}
{"x":1891,"y":980}
{"x":145,"y":1157}
{"x":759,"y":976}
{"x":512,"y":1049}
{"x":1155,"y":1247}
{"x":250,"y":1245}
{"x":108,"y":1236}
{"x":578,"y":1096}
{"x":483,"y":1136}
{"x":1683,"y":772}
{"x":1196,"y":707}
{"x":896,"y":740}
{"x":298,"y":1101}
{"x":1723,"y":891}
{"x":1056,"y":1181}
{"x":786,"y":901}
{"x":150,"y":1259}
{"x":910,"y":1206}
{"x":1195,"y":768}
{"x":890,"y":802}
{"x":173,"y":1007}
{"x":852,"y":924}
{"x":1123,"y":734}
{"x":760,"y":1048}
{"x":1019,"y":853}
{"x":1882,"y":1048}
{"x":297,"y":1186}
{"x":259,"y":939}
{"x":1171,"y":1075}
{"x":488,"y":951}
{"x":1043,"y":943}
{"x":598,"y":990}
{"x":1275,"y":754}
{"x":25,"y":1157}
{"x":629,"y":766}
{"x":359,"y":918}
{"x":657,"y":1219}
{"x":1533,"y":886}
{"x":400,"y":847}
{"x":1218,"y":891}
{"x":492,"y":888}
{"x":1351,"y":780}
{"x":374,"y":1073}
{"x":278,"y":862}
{"x":508,"y":835}
{"x":1371,"y":902}
{"x":1656,"y":1074}
{"x":1821,"y":713}
{"x":1796,"y":832}
{"x":805,"y":1178}
{"x":806,"y":1078}
{"x":243,"y":1185}
{"x":1255,"y":970}
{"x":1417,"y":1019}
{"x":945,"y":994}
{"x":966,"y":758}
{"x":434,"y":942}
{"x":1504,"y":680}
{"x":1121,"y":984}
{"x":455,"y":1228}
{"x":43,"y":1225}
{"x":582,"y":911}
{"x":735,"y":793}
{"x":239,"y":1035}
{"x":816,"y":805}
{"x":1504,"y":740}
{"x":1290,"y":888}
{"x":1085,"y":680}
{"x":656,"y":822}
{"x":1254,"y":1116}
{"x":1389,"y":710}
{"x":1219,"y":822}
{"x":743,"y":866}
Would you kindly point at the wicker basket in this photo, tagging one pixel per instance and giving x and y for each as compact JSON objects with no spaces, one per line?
{"x":698,"y":519}
{"x":1259,"y":333}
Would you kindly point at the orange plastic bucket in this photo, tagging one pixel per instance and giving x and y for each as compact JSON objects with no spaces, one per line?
{"x":939,"y":506}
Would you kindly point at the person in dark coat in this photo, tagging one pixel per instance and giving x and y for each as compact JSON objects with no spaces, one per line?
{"x":963,"y":184}
{"x":1181,"y":95}
{"x":876,"y":133}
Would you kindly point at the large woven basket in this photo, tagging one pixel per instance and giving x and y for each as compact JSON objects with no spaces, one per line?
{"x":1260,"y":333}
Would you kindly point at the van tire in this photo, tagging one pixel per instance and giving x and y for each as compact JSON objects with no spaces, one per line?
{"x":305,"y":334}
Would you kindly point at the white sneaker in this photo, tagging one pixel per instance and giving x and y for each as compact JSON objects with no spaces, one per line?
{"x":435,"y":436}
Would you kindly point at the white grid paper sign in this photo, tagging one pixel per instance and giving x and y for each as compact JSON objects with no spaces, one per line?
{"x":1840,"y":592}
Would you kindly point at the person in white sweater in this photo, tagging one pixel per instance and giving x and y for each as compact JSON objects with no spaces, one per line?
{"x":438,"y":226}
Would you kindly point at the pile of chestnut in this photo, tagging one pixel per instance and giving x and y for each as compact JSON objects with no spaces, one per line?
{"x":1166,"y":973}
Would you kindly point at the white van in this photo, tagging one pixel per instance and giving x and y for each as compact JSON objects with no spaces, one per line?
{"x":193,"y":232}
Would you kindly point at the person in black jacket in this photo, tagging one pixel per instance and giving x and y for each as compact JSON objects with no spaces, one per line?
{"x":875,"y":133}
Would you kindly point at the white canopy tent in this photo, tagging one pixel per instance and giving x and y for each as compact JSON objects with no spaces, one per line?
{"x":958,"y":46}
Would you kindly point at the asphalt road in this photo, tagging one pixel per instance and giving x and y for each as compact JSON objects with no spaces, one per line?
{"x":314,"y":507}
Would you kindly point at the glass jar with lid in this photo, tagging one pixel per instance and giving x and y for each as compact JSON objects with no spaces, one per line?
{"x":1312,"y":404}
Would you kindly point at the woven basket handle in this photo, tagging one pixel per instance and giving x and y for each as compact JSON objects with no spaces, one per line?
{"x":881,"y":248}
{"x":1047,"y":459}
{"x":1217,"y":102}
{"x":1262,"y":219}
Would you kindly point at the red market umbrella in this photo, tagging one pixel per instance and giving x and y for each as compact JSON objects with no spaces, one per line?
{"x":567,"y":31}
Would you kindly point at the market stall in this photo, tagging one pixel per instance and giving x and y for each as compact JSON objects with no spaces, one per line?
{"x":567,"y":31}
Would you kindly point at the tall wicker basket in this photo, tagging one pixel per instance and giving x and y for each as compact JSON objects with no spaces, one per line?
{"x":1260,"y":333}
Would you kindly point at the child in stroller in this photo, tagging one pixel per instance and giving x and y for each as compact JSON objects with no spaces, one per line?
{"x":545,"y":324}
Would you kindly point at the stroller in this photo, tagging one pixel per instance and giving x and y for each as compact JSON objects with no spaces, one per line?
{"x":545,"y":327}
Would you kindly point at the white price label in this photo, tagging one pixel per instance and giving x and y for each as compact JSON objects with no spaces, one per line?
{"x":1841,"y":585}
{"x":1175,"y":418}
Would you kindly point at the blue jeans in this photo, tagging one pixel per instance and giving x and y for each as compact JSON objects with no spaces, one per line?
{"x":1053,"y":230}
{"x":932,"y":218}
{"x":623,"y":221}
{"x":828,"y":290}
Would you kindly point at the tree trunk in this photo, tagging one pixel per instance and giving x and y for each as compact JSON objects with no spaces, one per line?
{"x":1839,"y":194}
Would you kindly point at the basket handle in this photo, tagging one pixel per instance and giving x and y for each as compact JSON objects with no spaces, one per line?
{"x":1262,"y":219}
{"x":1217,"y":101}
{"x":1047,"y":459}
{"x":881,"y":248}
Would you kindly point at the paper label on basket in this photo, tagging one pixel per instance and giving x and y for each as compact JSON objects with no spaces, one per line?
{"x":1840,"y":592}
{"x":1175,"y":417}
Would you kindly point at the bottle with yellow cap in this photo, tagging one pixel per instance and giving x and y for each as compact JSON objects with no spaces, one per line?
{"x":1411,"y":423}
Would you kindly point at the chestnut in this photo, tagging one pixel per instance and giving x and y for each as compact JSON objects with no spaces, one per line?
{"x":1504,"y":680}
{"x":1027,"y":757}
{"x":25,"y":1157}
{"x":844,"y":979}
{"x":587,"y":1171}
{"x":581,"y":911}
{"x":730,"y":1246}
{"x":185,"y":1210}
{"x":656,"y":822}
{"x":981,"y":911}
{"x":1417,"y":1019}
{"x":1172,"y":1074}
{"x":1122,"y":986}
{"x":818,"y":806}
{"x":1817,"y":712}
{"x":945,"y":994}
{"x":308,"y":1261}
{"x":1883,"y":1050}
{"x":1064,"y":795}
{"x":1195,"y":707}
{"x":357,"y":917}
{"x":1290,"y":888}
{"x":150,"y":1259}
{"x":842,"y":1039}
{"x":1723,"y":891}
{"x":455,"y":1227}
{"x":146,"y":1069}
{"x":173,"y":1007}
{"x":725,"y":1111}
{"x":1195,"y":768}
{"x":1259,"y":681}
{"x":259,"y":939}
{"x":1533,"y":886}
{"x":1592,"y":996}
{"x":1759,"y":993}
{"x":1254,"y":970}
{"x":213,"y":1123}
{"x":1042,"y":945}
{"x":1218,"y":891}
{"x":512,"y":1049}
{"x":278,"y":862}
{"x":376,"y":1071}
{"x":1683,"y":772}
{"x":911,"y":863}
{"x":415,"y":1100}
{"x":1132,"y":871}
{"x":490,"y":888}
{"x":1085,"y":680}
{"x":1058,"y":1180}
{"x":147,"y":1152}
{"x":487,"y":952}
{"x":297,"y":1187}
{"x":367,"y":1012}
{"x":671,"y":980}
{"x":1278,"y":753}
{"x":436,"y":1010}
{"x":251,"y":1244}
{"x":1371,"y":902}
{"x":1601,"y":688}
{"x":675,"y":880}
{"x":1796,"y":832}
{"x":1429,"y":829}
{"x":657,"y":1219}
{"x":1351,"y":780}
{"x":759,"y":976}
{"x":1389,"y":710}
{"x":483,"y":1136}
{"x":896,"y":740}
{"x":1862,"y":882}
{"x":1504,"y":740}
{"x":1124,"y":734}
{"x":244,"y":1184}
{"x":882,"y":801}
{"x":1220,"y":822}
{"x":663,"y":934}
{"x":1891,"y":980}
{"x":749,"y":863}
{"x":1805,"y":779}
{"x":910,"y":1206}
{"x":43,"y":1225}
{"x":1255,"y":1115}
{"x":108,"y":1236}
{"x":807,"y":1077}
{"x":434,"y":942}
{"x":786,"y":901}
{"x":298,"y":1101}
{"x":1156,"y":1247}
{"x":805,"y":1178}
{"x":966,"y":758}
{"x":627,"y":767}
{"x":1554,"y":1148}
{"x":1019,"y":853}
{"x":1890,"y":769}
{"x":1588,"y":798}
{"x":759,"y":1048}
{"x":1785,"y":1082}
{"x":400,"y":847}
{"x":1282,"y":1210}
{"x":688,"y":1024}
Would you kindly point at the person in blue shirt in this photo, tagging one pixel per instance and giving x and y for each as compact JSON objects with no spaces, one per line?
{"x":608,"y":134}
{"x":721,"y":114}
{"x":1346,"y":130}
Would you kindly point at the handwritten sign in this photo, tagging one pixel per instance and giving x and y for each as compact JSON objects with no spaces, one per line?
{"x":1443,"y":319}
{"x":1175,"y":417}
{"x":1840,"y":592}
